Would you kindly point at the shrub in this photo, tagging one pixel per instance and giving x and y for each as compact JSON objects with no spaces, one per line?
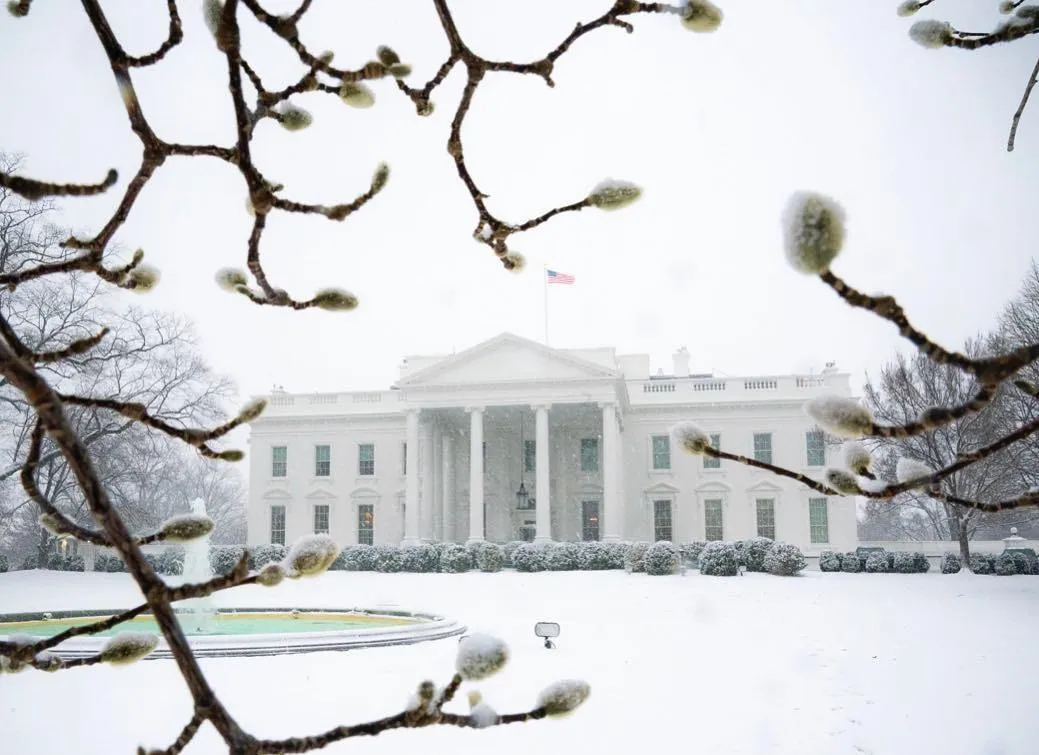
{"x":362,"y":558}
{"x":455,"y":559}
{"x":754,"y":551}
{"x":31,"y":561}
{"x":951,"y":563}
{"x":662,"y":558}
{"x":634,"y":558}
{"x":3,"y":563}
{"x":851,"y":563}
{"x":876,"y":563}
{"x":389,"y":559}
{"x":1005,"y":565}
{"x":980,"y":564}
{"x":595,"y":556}
{"x":904,"y":563}
{"x":529,"y":558}
{"x":921,"y":564}
{"x":829,"y":561}
{"x":782,"y":559}
{"x":509,"y":548}
{"x":490,"y":557}
{"x":60,"y":562}
{"x":718,"y":559}
{"x":262,"y":555}
{"x":1025,"y":564}
{"x":563,"y":557}
{"x":421,"y":558}
{"x":222,"y":558}
{"x":691,"y":552}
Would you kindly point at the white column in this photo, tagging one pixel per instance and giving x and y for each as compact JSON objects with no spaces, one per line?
{"x":425,"y":530}
{"x":542,"y":514}
{"x":475,"y":473}
{"x":447,"y":479}
{"x":611,"y":514}
{"x":411,"y":489}
{"x":436,"y":522}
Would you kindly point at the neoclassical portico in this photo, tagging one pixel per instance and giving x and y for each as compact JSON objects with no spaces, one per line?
{"x":573,"y":397}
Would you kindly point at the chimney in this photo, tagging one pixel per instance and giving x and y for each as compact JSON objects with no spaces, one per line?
{"x":681,"y":362}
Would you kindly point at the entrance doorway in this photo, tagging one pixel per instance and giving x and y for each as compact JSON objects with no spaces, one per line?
{"x":590,"y":520}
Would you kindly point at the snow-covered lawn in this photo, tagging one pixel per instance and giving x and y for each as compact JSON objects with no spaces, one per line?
{"x":821,"y":663}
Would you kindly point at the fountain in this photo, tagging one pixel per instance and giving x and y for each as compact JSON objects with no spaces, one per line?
{"x":225,"y":632}
{"x":197,"y":615}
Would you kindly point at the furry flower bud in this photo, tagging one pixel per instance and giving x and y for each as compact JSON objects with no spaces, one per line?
{"x":311,"y":555}
{"x":907,"y":469}
{"x":231,"y":454}
{"x":690,"y":437}
{"x":335,"y":300}
{"x":19,"y":8}
{"x":856,"y":457}
{"x":399,"y":70}
{"x":211,"y":11}
{"x":813,"y":231}
{"x":128,"y":647}
{"x":271,"y":575}
{"x":142,"y":279}
{"x":841,"y":416}
{"x":1007,"y":6}
{"x":252,"y":410}
{"x":294,"y":118}
{"x":842,"y":482}
{"x":185,"y":528}
{"x":613,"y":195}
{"x":380,"y":177}
{"x":387,"y":56}
{"x":701,"y":16}
{"x":931,"y":33}
{"x":908,"y":8}
{"x":424,"y":108}
{"x":480,"y":656}
{"x":563,"y":697}
{"x":514,"y":261}
{"x":356,"y":94}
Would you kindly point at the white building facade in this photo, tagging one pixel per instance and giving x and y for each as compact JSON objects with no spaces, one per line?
{"x":513,"y":440}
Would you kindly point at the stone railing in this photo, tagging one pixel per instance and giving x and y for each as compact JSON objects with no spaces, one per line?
{"x":713,"y":390}
{"x":359,"y":402}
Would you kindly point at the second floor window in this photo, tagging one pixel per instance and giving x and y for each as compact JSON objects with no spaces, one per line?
{"x":709,"y":462}
{"x":366,"y":459}
{"x":763,"y":447}
{"x":815,"y":448}
{"x":530,"y":455}
{"x":322,"y":461}
{"x":589,"y":454}
{"x":661,"y":452}
{"x":279,"y":461}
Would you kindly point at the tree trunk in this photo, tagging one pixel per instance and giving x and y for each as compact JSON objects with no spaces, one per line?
{"x":42,"y":548}
{"x":964,"y":535}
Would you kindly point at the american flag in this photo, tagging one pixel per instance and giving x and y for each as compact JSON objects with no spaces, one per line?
{"x":560,"y":279}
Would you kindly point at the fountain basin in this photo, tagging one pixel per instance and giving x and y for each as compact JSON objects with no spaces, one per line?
{"x":249,"y":631}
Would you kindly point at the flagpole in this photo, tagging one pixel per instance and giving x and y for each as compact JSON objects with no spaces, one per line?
{"x":544,"y":282}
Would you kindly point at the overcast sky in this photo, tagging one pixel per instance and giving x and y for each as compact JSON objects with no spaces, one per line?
{"x":719,"y":130}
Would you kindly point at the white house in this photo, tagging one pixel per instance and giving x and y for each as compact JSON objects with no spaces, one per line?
{"x":513,"y":440}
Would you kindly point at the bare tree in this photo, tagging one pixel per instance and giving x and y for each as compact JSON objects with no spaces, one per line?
{"x":815,"y":234}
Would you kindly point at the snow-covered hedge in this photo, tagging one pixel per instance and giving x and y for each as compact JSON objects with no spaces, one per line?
{"x":222,"y":558}
{"x":261,"y":555}
{"x":509,"y":548}
{"x":3,"y":563}
{"x":635,"y":557}
{"x":851,"y":563}
{"x":528,"y":558}
{"x":60,"y":562}
{"x":490,"y":557}
{"x":718,"y":559}
{"x":599,"y":556}
{"x":691,"y":552}
{"x":455,"y":559}
{"x":782,"y":559}
{"x":662,"y":558}
{"x":829,"y":561}
{"x":422,"y":558}
{"x":563,"y":557}
{"x":877,"y":563}
{"x":1005,"y":565}
{"x":752,"y":553}
{"x":982,"y":563}
{"x":951,"y":563}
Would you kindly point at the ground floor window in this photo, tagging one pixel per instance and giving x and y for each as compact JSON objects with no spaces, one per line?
{"x":321,"y":519}
{"x":819,"y":520}
{"x":662,"y":529}
{"x":713,"y":521}
{"x":365,"y":524}
{"x":766,"y":518}
{"x":589,"y":520}
{"x":277,"y":525}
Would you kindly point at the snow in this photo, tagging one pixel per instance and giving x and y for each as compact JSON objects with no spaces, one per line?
{"x":907,"y":469}
{"x":818,"y":663}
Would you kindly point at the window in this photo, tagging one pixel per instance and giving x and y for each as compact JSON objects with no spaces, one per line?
{"x":530,"y":455}
{"x":589,"y":454}
{"x":661,"y":452}
{"x":404,"y":459}
{"x":815,"y":446}
{"x":818,"y":520}
{"x":322,"y":461}
{"x":763,"y":447}
{"x":662,"y":520}
{"x":484,"y":455}
{"x":767,"y":518}
{"x":279,"y":461}
{"x":365,"y":524}
{"x":709,"y":462}
{"x":589,"y":520}
{"x":365,"y":459}
{"x":277,"y":525}
{"x":321,"y":519}
{"x":712,"y":517}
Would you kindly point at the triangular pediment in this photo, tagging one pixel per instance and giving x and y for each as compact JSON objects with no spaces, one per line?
{"x":662,"y":488}
{"x":507,"y":358}
{"x":276,"y":495}
{"x":319,"y":495}
{"x":765,"y":487}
